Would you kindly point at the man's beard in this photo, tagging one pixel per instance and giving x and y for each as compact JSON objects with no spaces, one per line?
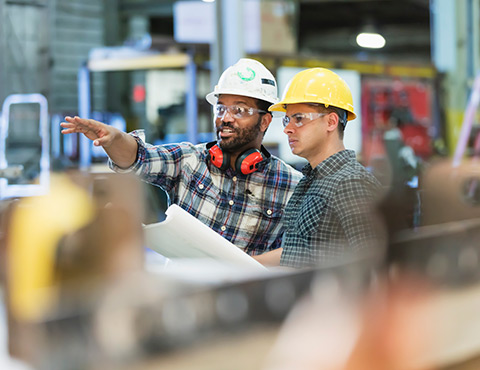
{"x":242,"y":139}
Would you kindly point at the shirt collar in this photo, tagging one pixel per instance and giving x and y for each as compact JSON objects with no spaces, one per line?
{"x":330,"y":165}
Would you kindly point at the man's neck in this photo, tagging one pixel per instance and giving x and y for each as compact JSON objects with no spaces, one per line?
{"x":326,"y":153}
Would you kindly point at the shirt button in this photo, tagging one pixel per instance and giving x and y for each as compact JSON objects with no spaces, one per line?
{"x":269,"y":212}
{"x":223,"y":228}
{"x":231,"y":202}
{"x":234,"y":178}
{"x":200,"y":186}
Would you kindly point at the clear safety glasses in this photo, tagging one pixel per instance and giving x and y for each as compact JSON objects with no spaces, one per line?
{"x":300,"y":119}
{"x":237,"y":111}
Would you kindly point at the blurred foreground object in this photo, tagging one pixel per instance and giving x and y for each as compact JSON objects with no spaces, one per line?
{"x":452,"y":188}
{"x":451,"y":193}
{"x":404,"y":325}
{"x":37,"y":226}
{"x":446,"y":254}
{"x":64,"y":249}
{"x":79,"y":297}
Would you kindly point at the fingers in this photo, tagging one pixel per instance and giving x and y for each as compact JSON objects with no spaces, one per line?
{"x":76,"y":125}
{"x":100,"y":133}
{"x":70,"y":122}
{"x":68,"y":128}
{"x":79,"y":121}
{"x":68,"y":131}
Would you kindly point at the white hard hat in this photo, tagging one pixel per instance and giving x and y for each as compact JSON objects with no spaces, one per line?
{"x":247,"y":77}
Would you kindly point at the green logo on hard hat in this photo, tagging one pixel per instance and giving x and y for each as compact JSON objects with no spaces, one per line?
{"x":247,"y":78}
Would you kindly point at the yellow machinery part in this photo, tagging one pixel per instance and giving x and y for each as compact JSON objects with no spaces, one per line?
{"x":37,"y":226}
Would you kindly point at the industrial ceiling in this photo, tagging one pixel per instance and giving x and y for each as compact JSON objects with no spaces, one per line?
{"x":327,"y":28}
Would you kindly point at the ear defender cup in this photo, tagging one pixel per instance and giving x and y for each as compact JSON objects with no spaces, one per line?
{"x":248,"y":161}
{"x":219,"y":158}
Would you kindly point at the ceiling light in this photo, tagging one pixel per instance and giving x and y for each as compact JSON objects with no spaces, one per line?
{"x":370,"y":40}
{"x":208,"y":1}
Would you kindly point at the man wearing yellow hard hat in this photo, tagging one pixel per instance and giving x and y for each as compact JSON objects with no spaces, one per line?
{"x":329,"y":217}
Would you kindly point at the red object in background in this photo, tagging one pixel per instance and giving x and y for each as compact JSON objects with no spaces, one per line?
{"x":417,"y":137}
{"x":405,"y":103}
{"x":139,"y":93}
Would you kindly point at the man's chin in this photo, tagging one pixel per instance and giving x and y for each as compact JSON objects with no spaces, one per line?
{"x":296,"y":151}
{"x":226,"y":144}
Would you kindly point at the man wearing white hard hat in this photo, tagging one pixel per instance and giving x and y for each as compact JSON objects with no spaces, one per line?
{"x":233,"y":184}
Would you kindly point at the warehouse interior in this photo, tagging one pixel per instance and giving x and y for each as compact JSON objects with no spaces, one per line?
{"x":80,"y":289}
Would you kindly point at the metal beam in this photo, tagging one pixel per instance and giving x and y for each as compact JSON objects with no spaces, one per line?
{"x":148,"y":8}
{"x":157,"y":61}
{"x":38,"y":3}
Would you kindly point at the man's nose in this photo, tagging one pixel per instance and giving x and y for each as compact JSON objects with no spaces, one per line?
{"x":289,"y":128}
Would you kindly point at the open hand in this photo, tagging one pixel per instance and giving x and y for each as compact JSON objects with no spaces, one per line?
{"x":100,"y":133}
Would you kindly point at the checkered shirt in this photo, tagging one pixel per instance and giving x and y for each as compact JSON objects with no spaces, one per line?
{"x":329,"y":214}
{"x":245,"y":209}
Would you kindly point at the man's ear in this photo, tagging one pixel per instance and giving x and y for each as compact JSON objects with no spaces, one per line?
{"x":332,"y":122}
{"x":266,"y":120}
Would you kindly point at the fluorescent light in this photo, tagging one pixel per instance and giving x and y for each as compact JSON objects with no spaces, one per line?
{"x":370,"y":40}
{"x":208,"y":1}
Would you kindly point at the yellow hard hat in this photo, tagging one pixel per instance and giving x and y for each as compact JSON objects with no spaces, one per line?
{"x":317,"y":85}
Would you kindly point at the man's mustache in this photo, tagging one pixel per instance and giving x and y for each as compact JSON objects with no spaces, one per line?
{"x":226,"y":125}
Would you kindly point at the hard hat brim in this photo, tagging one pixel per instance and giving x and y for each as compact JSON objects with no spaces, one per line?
{"x":213,"y":96}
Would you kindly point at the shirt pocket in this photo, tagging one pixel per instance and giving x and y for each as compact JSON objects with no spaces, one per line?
{"x":201,"y":189}
{"x":261,"y":219}
{"x":312,"y":212}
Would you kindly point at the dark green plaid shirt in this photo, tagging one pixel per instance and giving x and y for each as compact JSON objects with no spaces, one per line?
{"x":329,"y":214}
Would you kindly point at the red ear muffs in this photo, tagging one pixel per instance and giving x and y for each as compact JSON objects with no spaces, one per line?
{"x":219,"y":158}
{"x":248,"y":161}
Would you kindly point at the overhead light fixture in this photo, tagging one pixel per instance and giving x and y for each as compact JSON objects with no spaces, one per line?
{"x":368,"y":36}
{"x":370,"y":40}
{"x":208,"y":1}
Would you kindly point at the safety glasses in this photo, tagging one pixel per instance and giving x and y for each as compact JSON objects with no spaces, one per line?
{"x":237,"y":111}
{"x":300,"y":119}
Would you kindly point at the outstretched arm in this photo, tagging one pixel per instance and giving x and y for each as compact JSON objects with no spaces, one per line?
{"x":120,"y":147}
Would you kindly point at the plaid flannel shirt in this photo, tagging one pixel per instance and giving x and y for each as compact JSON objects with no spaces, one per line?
{"x":330,"y":214}
{"x":245,"y":209}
